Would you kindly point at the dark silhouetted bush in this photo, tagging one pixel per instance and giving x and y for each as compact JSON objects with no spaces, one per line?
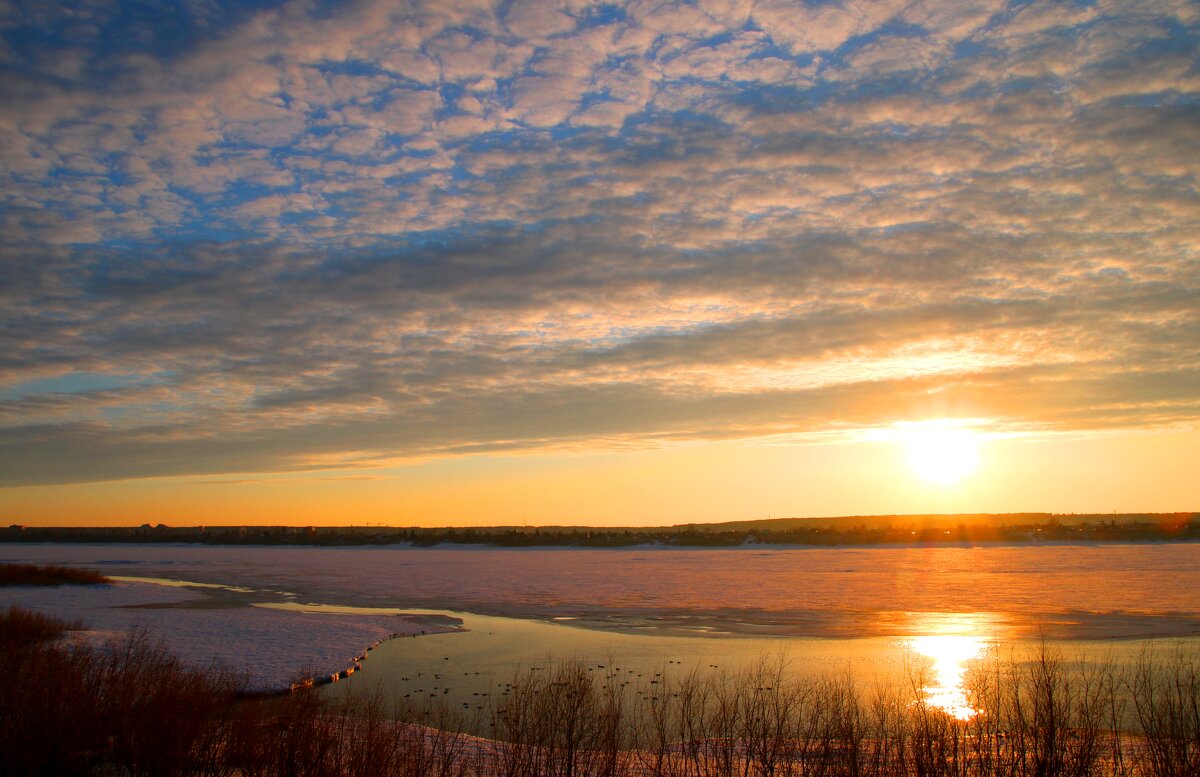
{"x":130,"y":708}
{"x":32,"y":574}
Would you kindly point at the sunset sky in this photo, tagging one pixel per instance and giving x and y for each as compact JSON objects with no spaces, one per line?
{"x":466,"y":262}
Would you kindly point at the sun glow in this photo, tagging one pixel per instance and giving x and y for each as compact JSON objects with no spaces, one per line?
{"x":940,"y":452}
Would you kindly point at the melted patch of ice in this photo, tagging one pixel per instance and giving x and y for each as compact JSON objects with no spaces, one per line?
{"x":170,"y":583}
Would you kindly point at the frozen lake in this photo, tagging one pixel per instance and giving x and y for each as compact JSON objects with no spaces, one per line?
{"x":1088,"y":591}
{"x":825,"y":608}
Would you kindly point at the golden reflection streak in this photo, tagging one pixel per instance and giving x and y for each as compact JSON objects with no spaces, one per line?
{"x":951,"y":641}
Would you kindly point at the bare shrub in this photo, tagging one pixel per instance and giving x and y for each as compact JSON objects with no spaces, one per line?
{"x":1165,"y":696}
{"x":131,"y":708}
{"x":34,"y":574}
{"x":68,"y":708}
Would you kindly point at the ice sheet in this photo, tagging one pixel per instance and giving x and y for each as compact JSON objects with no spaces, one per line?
{"x":272,"y":646}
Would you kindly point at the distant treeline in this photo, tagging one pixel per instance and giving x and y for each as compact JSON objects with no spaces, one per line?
{"x":856,"y":530}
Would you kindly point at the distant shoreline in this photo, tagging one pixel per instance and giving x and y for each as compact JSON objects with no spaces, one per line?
{"x":644,"y":546}
{"x":937,"y":530}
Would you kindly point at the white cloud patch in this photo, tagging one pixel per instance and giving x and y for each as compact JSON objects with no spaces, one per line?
{"x":537,"y":19}
{"x":890,"y":55}
{"x":806,"y":28}
{"x":545,"y":101}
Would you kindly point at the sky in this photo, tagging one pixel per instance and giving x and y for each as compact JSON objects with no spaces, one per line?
{"x":557,"y":261}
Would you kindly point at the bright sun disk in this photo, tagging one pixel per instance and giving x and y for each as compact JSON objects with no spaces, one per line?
{"x":939,"y":452}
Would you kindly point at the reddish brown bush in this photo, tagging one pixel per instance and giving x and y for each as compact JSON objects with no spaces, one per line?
{"x":32,"y":574}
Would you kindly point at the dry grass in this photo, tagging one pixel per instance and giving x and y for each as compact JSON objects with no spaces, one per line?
{"x":132,"y":709}
{"x":69,"y":709}
{"x":33,"y":574}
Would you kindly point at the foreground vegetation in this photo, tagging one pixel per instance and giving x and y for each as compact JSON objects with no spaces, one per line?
{"x":131,"y":708}
{"x":33,"y":574}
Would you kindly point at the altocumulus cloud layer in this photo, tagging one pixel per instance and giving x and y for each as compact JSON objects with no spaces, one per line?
{"x":271,"y":236}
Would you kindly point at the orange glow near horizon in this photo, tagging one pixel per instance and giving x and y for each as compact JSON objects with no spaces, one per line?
{"x":720,"y":481}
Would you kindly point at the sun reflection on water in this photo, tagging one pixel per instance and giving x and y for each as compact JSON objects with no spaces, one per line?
{"x":951,"y":641}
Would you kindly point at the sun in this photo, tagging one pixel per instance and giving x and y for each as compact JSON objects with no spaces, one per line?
{"x":940,"y":452}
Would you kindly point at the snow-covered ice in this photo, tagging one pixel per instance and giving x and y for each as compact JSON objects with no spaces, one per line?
{"x":273,"y":646}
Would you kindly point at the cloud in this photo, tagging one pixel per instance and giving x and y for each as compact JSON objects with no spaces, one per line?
{"x":429,"y":229}
{"x":537,"y":19}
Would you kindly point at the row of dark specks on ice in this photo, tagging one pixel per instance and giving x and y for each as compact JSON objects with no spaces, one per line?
{"x":309,"y":682}
{"x":616,"y":676}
